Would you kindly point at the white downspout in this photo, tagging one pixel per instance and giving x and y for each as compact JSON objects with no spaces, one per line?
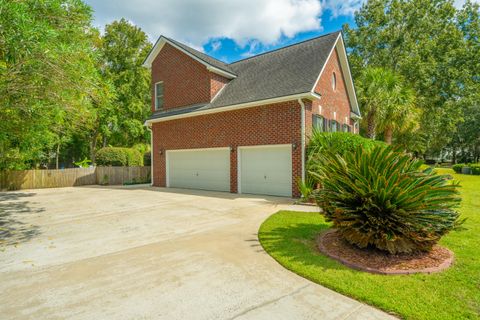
{"x":302,"y":117}
{"x":149,"y":128}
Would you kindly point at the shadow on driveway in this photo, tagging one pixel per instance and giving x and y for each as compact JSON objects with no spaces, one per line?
{"x":200,"y":193}
{"x":13,"y":211}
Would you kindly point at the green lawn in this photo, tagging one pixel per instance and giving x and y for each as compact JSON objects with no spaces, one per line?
{"x":453,"y":294}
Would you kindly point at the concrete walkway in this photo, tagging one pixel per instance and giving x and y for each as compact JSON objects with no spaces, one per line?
{"x":150,"y":253}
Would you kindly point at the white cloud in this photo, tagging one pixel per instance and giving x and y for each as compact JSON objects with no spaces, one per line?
{"x":216,"y":45}
{"x":197,"y":22}
{"x":253,"y":49}
{"x":342,"y":8}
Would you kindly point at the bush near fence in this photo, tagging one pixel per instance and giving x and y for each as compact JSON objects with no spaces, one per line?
{"x":117,"y":156}
{"x":35,"y":179}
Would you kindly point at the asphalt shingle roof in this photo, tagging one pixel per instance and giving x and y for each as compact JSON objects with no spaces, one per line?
{"x":282,"y":72}
{"x":202,"y":56}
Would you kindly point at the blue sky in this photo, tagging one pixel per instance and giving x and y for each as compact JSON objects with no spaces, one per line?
{"x":229,"y":51}
{"x":231,"y":30}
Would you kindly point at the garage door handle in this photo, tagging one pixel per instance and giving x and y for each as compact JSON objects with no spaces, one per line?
{"x":265,"y":177}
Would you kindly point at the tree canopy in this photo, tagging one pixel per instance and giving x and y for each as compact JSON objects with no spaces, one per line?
{"x":434,"y":47}
{"x":64,"y":87}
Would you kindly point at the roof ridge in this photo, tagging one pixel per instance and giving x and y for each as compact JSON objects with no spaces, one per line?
{"x":290,"y":45}
{"x":186,"y":45}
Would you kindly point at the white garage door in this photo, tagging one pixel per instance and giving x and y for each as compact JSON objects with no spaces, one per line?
{"x":207,"y":169}
{"x":266,"y":170}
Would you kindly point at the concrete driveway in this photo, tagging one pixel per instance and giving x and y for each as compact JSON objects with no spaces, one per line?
{"x":150,"y":253}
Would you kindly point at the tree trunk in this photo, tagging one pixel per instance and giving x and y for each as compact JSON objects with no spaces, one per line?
{"x":57,"y":155}
{"x":93,"y":146}
{"x":454,"y":154}
{"x":371,"y":125}
{"x":388,"y":135}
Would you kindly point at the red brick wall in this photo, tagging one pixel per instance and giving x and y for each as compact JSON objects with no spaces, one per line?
{"x":331,"y":100}
{"x":263,"y":125}
{"x":217,"y":82}
{"x":185,"y":80}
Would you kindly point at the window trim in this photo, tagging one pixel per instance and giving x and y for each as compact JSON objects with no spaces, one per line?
{"x":156,"y":97}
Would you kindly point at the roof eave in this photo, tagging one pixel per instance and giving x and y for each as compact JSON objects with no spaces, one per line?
{"x":307,"y":95}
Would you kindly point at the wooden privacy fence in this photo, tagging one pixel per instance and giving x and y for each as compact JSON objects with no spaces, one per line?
{"x":33,"y":179}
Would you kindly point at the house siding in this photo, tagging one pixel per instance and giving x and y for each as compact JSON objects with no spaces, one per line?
{"x":263,"y":125}
{"x":331,"y":100}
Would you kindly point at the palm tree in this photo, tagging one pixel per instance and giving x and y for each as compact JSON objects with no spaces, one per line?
{"x":387,"y":103}
{"x":399,"y":113}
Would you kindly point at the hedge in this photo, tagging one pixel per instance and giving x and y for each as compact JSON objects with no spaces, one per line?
{"x":339,"y":142}
{"x":122,"y":157}
{"x":458,"y":167}
{"x":475,"y":168}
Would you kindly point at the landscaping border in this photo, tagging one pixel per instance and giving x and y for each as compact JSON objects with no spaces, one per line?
{"x":322,"y":248}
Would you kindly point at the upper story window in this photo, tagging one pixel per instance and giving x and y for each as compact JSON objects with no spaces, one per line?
{"x":334,"y":81}
{"x":159,"y":95}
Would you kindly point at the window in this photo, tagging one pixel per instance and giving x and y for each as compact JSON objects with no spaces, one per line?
{"x":334,"y":81}
{"x":326,"y":125}
{"x":346,"y":128}
{"x":159,"y":95}
{"x":318,"y":122}
{"x":334,"y":126}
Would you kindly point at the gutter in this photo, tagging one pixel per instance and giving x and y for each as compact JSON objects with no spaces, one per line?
{"x":306,"y":95}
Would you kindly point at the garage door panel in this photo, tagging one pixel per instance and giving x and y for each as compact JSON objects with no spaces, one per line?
{"x":207,"y":169}
{"x":266,"y":170}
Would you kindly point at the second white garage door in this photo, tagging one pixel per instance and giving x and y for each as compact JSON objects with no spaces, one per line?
{"x":266,"y":170}
{"x":207,"y":169}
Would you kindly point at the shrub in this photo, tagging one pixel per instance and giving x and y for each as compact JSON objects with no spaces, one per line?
{"x":379,"y":198}
{"x":338,"y":142}
{"x":141,"y":147}
{"x":306,"y":188}
{"x":134,"y":158}
{"x":475,"y":168}
{"x":114,"y":156}
{"x":458,"y":167}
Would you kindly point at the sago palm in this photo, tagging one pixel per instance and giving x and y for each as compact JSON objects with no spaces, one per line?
{"x":379,"y":198}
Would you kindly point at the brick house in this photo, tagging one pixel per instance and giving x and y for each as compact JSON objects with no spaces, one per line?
{"x":242,"y":127}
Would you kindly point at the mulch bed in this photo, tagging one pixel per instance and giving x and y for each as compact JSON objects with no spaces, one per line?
{"x":375,"y":261}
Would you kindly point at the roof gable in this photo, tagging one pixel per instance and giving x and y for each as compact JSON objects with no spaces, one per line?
{"x":285,"y":71}
{"x":212,"y":64}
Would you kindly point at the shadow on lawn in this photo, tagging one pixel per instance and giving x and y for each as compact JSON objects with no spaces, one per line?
{"x":13,"y":229}
{"x":297,"y":243}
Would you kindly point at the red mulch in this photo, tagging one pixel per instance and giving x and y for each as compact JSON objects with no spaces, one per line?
{"x":375,"y":261}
